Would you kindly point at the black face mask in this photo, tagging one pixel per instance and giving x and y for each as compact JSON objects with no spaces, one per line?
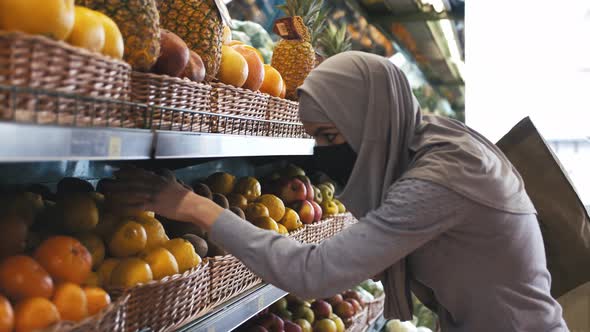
{"x":337,"y":161}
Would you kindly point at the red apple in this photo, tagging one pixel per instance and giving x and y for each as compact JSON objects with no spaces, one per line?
{"x":352,"y":294}
{"x":308,"y":187}
{"x":357,"y":306}
{"x":174,"y":54}
{"x":317,"y":209}
{"x":271,"y":322}
{"x":321,"y":309}
{"x":257,"y":328}
{"x":344,"y":309}
{"x":292,"y":327}
{"x":334,"y":299}
{"x":195,"y":69}
{"x":305,"y":210}
{"x":292,"y":190}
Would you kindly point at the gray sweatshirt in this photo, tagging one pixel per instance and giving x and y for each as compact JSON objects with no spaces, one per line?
{"x":487,"y":268}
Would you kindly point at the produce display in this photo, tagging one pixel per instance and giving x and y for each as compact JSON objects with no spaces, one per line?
{"x":254,"y":34}
{"x":334,"y":40}
{"x":292,"y":314}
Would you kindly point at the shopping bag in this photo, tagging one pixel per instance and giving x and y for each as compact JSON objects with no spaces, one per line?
{"x":562,"y":216}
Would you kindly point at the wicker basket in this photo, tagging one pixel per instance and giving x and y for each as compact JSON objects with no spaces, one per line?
{"x":229,"y":277}
{"x":242,"y":112}
{"x":375,"y":309}
{"x":164,"y":304}
{"x":177,"y":102}
{"x":284,"y":115}
{"x":38,"y":62}
{"x":358,"y":322}
{"x":317,"y":232}
{"x":298,"y":234}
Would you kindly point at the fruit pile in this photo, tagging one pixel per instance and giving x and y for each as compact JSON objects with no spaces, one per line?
{"x":292,"y":314}
{"x":62,"y":20}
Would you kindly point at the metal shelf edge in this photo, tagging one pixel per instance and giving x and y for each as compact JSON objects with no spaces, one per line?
{"x":229,"y":316}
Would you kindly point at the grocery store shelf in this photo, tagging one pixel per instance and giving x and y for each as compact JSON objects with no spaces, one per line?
{"x":174,"y":144}
{"x":232,"y":314}
{"x":377,"y":326}
{"x":24,"y":142}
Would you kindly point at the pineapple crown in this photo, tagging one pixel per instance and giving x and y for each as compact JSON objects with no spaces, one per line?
{"x":334,"y":40}
{"x":312,"y":12}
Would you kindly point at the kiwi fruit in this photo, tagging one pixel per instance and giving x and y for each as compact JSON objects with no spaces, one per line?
{"x":201,"y":246}
{"x":239,"y":212}
{"x":221,"y":200}
{"x":202,"y":189}
{"x":71,"y":185}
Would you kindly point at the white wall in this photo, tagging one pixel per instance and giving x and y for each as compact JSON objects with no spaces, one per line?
{"x":528,"y":57}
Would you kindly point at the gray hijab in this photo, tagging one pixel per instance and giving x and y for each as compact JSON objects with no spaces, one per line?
{"x":371,"y":103}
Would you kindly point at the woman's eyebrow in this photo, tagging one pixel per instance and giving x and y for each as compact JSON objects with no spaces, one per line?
{"x":321,"y":129}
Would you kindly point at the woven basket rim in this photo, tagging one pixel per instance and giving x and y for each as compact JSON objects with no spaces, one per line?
{"x":62,"y":44}
{"x":183,"y":80}
{"x":199,"y":268}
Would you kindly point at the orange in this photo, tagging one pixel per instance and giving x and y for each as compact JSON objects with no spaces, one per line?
{"x":130,"y":272}
{"x":255,"y":50}
{"x":235,"y":42}
{"x":97,"y":299}
{"x":70,"y":301}
{"x":88,"y":31}
{"x":35,"y":313}
{"x":255,"y":210}
{"x":221,"y":183}
{"x":6,"y":315}
{"x":234,"y":67}
{"x":249,"y":187}
{"x":266,"y":223}
{"x":65,"y":258}
{"x":113,"y":40}
{"x":129,"y":239}
{"x":52,"y":18}
{"x":255,"y":66}
{"x":105,"y":270}
{"x":276,"y":207}
{"x":95,"y":246}
{"x":92,"y":280}
{"x":273,"y":82}
{"x":237,"y":200}
{"x":22,"y":277}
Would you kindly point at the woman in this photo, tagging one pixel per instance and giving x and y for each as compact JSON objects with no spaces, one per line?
{"x":442,"y":211}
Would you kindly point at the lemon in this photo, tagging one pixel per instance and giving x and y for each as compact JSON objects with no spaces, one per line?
{"x":113,"y":40}
{"x":79,"y":212}
{"x":156,"y":235}
{"x":282,"y":230}
{"x":128,"y":239}
{"x":162,"y":262}
{"x":291,"y":220}
{"x":130,"y":272}
{"x":88,"y":31}
{"x":266,"y":223}
{"x":234,"y":67}
{"x":95,"y":246}
{"x":276,"y":207}
{"x":237,"y":200}
{"x":221,"y":183}
{"x":184,"y":252}
{"x":255,"y":210}
{"x":105,"y":271}
{"x":52,"y":18}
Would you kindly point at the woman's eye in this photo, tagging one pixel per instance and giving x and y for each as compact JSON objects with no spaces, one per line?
{"x":330,"y":137}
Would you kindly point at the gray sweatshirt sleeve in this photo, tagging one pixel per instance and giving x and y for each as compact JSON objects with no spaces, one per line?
{"x":413,"y":213}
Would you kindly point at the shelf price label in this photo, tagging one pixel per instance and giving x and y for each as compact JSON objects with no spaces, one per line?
{"x":114,"y":146}
{"x":261,"y":302}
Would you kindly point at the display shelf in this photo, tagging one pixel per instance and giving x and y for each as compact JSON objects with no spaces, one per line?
{"x":174,"y":144}
{"x":24,"y":142}
{"x":377,"y":326}
{"x":232,"y":314}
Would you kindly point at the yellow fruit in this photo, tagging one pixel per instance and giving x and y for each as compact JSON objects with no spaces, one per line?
{"x":276,"y":207}
{"x":105,"y":270}
{"x":95,"y":246}
{"x":249,"y":187}
{"x":184,"y":252}
{"x":273,"y":81}
{"x":107,"y":224}
{"x":79,"y":211}
{"x":255,"y":67}
{"x":253,"y":49}
{"x":221,"y":183}
{"x":329,"y":208}
{"x":234,"y":67}
{"x":291,"y":220}
{"x":255,"y":210}
{"x":70,"y":300}
{"x":52,"y":18}
{"x":282,"y":230}
{"x":226,"y":35}
{"x":235,"y":42}
{"x":266,"y":223}
{"x":92,"y":281}
{"x":341,"y":207}
{"x":131,"y":272}
{"x":129,"y":239}
{"x":237,"y":200}
{"x":156,"y":235}
{"x":113,"y":40}
{"x":34,"y":313}
{"x":162,"y":262}
{"x":88,"y":31}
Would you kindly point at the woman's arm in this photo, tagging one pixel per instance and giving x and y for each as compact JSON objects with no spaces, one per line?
{"x":413,"y":213}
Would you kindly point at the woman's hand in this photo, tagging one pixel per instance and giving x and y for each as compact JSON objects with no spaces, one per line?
{"x":136,"y":190}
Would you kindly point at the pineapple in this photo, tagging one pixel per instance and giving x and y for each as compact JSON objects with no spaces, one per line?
{"x":334,"y":40}
{"x":199,"y":24}
{"x":139,"y":23}
{"x":295,"y":58}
